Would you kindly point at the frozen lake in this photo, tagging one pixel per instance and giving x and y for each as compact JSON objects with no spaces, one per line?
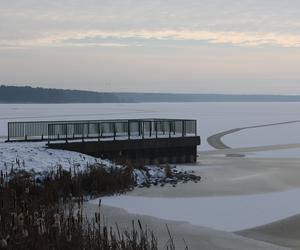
{"x":220,"y":212}
{"x":228,"y":213}
{"x":212,"y":117}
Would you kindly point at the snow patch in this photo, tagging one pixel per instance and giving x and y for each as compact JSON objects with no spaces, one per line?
{"x":37,"y":157}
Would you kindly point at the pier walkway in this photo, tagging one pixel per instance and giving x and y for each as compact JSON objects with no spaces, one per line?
{"x":147,"y":140}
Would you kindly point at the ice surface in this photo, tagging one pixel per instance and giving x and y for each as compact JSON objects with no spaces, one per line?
{"x":229,"y":213}
{"x":282,"y":153}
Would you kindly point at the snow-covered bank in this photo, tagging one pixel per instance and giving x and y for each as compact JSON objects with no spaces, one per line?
{"x":36,"y":156}
{"x":228,"y":213}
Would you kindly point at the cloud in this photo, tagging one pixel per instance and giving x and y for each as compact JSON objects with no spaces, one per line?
{"x":138,"y":37}
{"x":33,"y":23}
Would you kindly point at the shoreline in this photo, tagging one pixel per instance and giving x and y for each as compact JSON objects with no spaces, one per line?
{"x":283,"y":232}
{"x":232,"y":176}
{"x":228,"y":213}
{"x":196,"y":237}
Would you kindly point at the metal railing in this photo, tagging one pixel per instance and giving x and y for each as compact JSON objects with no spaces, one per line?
{"x":29,"y":130}
{"x":100,"y":129}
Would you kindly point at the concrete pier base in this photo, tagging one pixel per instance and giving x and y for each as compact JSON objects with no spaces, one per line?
{"x":140,"y":151}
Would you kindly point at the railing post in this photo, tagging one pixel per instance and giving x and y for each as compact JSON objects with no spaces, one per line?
{"x":170,"y":127}
{"x":8,"y":132}
{"x":49,"y":134}
{"x":183,"y":127}
{"x":99,"y":124}
{"x":143,"y":129}
{"x":139,"y":128}
{"x":73,"y":134}
{"x":174,"y":128}
{"x":24,"y":131}
{"x":66,"y":132}
{"x":114,"y":127}
{"x":128,"y":129}
{"x":155,"y":125}
{"x":82,"y":133}
{"x":150,"y":128}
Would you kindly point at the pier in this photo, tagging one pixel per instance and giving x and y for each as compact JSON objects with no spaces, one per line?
{"x":139,"y":141}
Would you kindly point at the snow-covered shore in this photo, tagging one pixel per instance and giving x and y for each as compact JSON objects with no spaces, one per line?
{"x":36,"y":156}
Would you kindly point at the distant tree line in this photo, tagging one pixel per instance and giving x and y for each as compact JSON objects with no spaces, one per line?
{"x":13,"y":94}
{"x":27,"y":94}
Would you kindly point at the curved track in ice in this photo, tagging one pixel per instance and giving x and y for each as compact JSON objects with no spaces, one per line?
{"x":216,"y":140}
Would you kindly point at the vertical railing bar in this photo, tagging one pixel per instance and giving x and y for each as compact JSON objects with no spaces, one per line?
{"x":174,"y":128}
{"x":99,"y":124}
{"x":128,"y":129}
{"x":66,"y":125}
{"x":114,"y":129}
{"x":58,"y":131}
{"x":8,"y":132}
{"x":48,"y":134}
{"x":74,"y":130}
{"x":25,"y":131}
{"x":82,"y":131}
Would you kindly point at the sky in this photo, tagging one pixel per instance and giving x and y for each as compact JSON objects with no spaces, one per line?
{"x":190,"y":46}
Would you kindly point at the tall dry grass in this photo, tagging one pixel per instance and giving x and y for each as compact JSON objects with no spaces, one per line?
{"x":45,"y":212}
